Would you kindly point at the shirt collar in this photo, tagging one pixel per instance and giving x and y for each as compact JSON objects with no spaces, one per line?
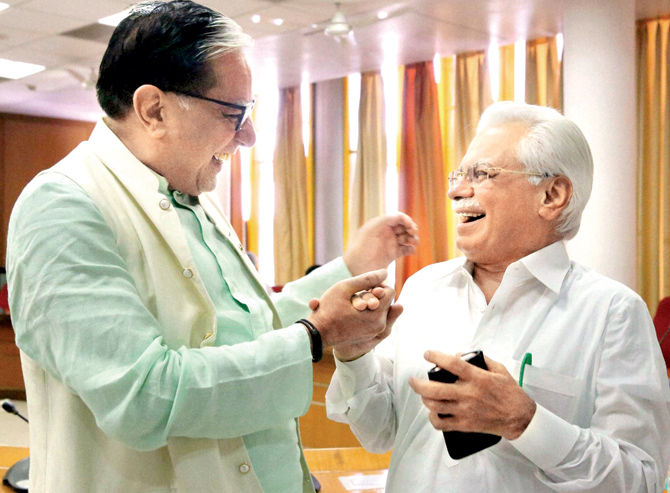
{"x":548,"y":265}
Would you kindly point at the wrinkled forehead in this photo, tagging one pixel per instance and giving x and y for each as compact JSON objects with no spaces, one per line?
{"x":495,"y":145}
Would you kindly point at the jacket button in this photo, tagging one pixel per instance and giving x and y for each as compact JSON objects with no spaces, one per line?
{"x":187,"y":273}
{"x":164,"y":204}
{"x":244,"y":468}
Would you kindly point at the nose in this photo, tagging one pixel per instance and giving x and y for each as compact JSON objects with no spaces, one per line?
{"x":460,"y":189}
{"x":246,"y":135}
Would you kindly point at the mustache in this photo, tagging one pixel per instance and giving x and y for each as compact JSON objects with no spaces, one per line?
{"x":465,"y":203}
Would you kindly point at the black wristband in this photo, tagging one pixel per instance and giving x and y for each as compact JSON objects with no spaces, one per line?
{"x":317,"y":343}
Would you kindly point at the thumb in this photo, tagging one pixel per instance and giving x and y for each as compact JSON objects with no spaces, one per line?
{"x":393,"y":314}
{"x":367,"y":281}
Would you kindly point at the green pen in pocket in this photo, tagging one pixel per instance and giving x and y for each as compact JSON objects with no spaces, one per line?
{"x":527,"y":360}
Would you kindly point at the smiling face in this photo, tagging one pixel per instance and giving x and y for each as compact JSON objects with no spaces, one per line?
{"x":201,"y":136}
{"x":500,"y":220}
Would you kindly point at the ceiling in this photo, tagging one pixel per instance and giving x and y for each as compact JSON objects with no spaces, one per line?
{"x":64,"y":36}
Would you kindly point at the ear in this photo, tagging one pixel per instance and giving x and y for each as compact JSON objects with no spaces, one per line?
{"x":148,"y":103}
{"x":557,"y":195}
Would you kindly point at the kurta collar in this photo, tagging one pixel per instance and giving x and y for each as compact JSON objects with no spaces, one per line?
{"x":117,"y":157}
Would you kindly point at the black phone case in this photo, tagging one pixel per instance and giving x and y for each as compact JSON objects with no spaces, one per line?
{"x":461,"y":444}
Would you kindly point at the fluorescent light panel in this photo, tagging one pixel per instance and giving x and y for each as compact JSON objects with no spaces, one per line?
{"x":10,"y":69}
{"x":3,"y":6}
{"x":114,"y":20}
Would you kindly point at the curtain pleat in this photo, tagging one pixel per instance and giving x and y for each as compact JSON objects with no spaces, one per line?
{"x":653,"y":204}
{"x":368,"y":176}
{"x":291,"y":228}
{"x":346,"y":162}
{"x":236,"y":216}
{"x":447,"y":98}
{"x":506,"y":73}
{"x":422,"y":184}
{"x":473,"y":96}
{"x":544,"y":81}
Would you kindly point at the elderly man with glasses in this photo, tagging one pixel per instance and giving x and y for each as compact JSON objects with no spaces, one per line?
{"x":147,"y":340}
{"x":576,"y":394}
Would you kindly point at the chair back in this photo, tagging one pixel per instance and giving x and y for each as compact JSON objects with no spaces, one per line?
{"x":662,"y":324}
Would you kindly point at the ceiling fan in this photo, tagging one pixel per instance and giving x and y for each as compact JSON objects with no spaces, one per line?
{"x":63,"y":79}
{"x":341,"y":28}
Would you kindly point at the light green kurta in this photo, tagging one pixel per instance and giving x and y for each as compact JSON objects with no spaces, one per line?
{"x":81,"y":316}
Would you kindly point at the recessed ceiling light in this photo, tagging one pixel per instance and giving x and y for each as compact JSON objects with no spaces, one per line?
{"x":255,"y":18}
{"x":277,"y":22}
{"x":114,"y":20}
{"x":382,"y":14}
{"x":10,"y":69}
{"x":3,"y":6}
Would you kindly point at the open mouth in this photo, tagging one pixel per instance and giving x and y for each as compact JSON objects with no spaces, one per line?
{"x":221,"y":157}
{"x":469,"y":217}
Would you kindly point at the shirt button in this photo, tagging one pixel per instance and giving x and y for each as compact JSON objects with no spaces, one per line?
{"x":187,"y":273}
{"x":244,"y":468}
{"x":164,"y":204}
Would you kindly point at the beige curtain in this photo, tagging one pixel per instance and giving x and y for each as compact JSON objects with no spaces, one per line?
{"x":291,"y":221}
{"x":368,"y":177}
{"x":473,"y":95}
{"x":544,"y":81}
{"x":506,"y":73}
{"x":653,"y":207}
{"x":422,"y":183}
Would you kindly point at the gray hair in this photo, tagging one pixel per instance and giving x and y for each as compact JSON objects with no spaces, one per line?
{"x":553,"y":145}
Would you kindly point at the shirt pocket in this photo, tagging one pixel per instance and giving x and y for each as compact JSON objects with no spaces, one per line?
{"x":556,"y":392}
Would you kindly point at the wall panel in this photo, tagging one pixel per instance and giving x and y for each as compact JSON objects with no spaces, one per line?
{"x":29,"y":145}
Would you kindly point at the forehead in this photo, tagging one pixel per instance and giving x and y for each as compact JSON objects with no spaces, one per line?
{"x":494,"y":146}
{"x":232,"y":77}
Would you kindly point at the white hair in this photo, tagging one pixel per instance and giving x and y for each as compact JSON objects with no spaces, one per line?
{"x":227,"y":36}
{"x":553,"y":145}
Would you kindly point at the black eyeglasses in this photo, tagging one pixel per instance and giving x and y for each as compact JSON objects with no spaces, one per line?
{"x":245,"y":108}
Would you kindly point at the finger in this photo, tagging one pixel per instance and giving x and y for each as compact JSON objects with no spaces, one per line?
{"x":371,"y":301}
{"x":450,"y":363}
{"x":366,"y":282}
{"x":313,"y":304}
{"x":403,"y":219}
{"x":436,"y":391}
{"x":359,"y":303}
{"x":378,"y":292}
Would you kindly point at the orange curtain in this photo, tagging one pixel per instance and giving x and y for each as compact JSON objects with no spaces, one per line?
{"x":544,"y":81}
{"x":291,"y":221}
{"x":653,"y":206}
{"x":422,"y":183}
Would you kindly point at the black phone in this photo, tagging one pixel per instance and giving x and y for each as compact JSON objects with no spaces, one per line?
{"x":461,"y":444}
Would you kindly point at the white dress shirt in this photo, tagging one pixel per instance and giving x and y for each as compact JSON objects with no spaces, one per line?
{"x":598,"y":377}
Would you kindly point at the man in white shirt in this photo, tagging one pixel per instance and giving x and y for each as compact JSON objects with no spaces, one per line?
{"x":592,"y":413}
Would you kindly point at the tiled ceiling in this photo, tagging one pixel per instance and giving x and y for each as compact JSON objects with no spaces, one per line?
{"x":64,"y":36}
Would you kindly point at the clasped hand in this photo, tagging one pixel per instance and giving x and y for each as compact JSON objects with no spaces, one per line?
{"x":354,"y":330}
